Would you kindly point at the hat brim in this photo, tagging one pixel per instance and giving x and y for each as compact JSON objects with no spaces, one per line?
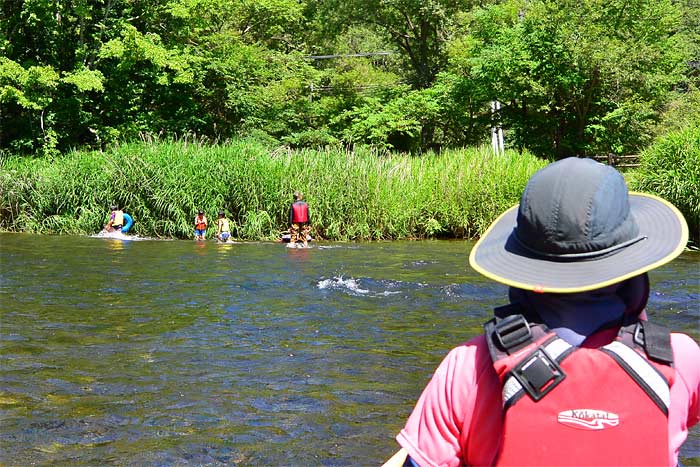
{"x":499,"y":257}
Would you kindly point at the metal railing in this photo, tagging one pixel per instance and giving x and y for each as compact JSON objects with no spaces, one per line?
{"x":619,"y":162}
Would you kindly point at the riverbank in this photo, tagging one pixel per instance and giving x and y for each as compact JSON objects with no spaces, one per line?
{"x":360,"y":195}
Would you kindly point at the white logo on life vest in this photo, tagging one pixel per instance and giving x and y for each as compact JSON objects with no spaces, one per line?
{"x":588,"y":419}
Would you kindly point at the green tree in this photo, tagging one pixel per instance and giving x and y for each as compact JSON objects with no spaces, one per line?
{"x":417,"y":29}
{"x":574,"y":77}
{"x":64,"y":39}
{"x":275,"y":24}
{"x":418,"y":32}
{"x":78,"y":72}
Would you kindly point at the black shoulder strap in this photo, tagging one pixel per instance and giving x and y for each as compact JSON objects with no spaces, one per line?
{"x":656,"y":342}
{"x":511,"y":330}
{"x":508,"y":334}
{"x":654,"y":339}
{"x":535,"y":373}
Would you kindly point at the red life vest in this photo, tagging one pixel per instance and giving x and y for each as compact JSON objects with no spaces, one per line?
{"x":572,"y":406}
{"x":300,"y":212}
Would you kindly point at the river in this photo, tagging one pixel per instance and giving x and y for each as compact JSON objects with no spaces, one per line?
{"x":165,"y":353}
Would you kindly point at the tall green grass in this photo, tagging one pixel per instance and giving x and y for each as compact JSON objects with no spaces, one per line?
{"x":352,"y":195}
{"x":670,"y":168}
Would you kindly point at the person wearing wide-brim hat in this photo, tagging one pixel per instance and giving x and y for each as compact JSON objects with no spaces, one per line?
{"x":570,"y":372}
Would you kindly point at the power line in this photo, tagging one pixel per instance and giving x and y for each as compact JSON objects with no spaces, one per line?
{"x":365,"y":54}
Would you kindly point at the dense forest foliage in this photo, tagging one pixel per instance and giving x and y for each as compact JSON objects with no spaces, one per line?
{"x":573,"y":77}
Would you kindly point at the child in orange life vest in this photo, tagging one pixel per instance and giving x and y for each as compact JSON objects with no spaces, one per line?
{"x":200,"y":226}
{"x":571,"y":372}
{"x":299,"y":220}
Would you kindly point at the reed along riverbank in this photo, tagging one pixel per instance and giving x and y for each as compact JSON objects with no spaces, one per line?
{"x":359,"y":195}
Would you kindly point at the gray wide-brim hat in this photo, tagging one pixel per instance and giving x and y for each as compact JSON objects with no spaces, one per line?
{"x":577,"y":229}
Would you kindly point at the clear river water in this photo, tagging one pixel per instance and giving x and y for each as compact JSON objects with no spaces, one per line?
{"x":177,"y":353}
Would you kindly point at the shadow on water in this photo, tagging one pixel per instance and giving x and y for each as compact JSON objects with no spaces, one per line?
{"x":184,"y":353}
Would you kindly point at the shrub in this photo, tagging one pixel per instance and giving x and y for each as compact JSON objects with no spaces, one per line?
{"x":670,"y":168}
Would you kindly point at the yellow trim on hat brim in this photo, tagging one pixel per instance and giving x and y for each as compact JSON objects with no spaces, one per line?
{"x":542,"y":289}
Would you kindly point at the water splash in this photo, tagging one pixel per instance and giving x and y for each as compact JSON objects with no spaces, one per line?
{"x":115,"y":235}
{"x":370,"y":288}
{"x":120,"y":236}
{"x":340,"y":283}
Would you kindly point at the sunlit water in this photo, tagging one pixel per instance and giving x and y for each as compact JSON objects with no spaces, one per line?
{"x":181,"y":353}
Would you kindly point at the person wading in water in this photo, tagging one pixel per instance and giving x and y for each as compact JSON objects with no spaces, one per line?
{"x":200,"y":226}
{"x":299,"y":220}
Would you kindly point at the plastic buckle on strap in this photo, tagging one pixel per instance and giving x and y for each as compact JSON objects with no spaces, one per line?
{"x":538,"y":373}
{"x":512,"y":332}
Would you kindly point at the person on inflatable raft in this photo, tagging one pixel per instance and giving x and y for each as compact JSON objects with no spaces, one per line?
{"x":116,"y":219}
{"x":571,"y":371}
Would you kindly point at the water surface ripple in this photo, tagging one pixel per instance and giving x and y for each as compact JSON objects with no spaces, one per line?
{"x":180,"y":353}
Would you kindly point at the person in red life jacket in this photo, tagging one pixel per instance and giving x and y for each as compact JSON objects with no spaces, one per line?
{"x":200,"y":226}
{"x":570,"y":371}
{"x":299,"y":220}
{"x":116,"y":219}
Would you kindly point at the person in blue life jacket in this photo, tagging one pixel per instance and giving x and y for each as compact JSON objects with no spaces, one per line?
{"x":572,"y":371}
{"x":116,"y":219}
{"x":299,"y":220}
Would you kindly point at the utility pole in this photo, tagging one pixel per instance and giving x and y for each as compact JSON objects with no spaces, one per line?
{"x":497,"y":142}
